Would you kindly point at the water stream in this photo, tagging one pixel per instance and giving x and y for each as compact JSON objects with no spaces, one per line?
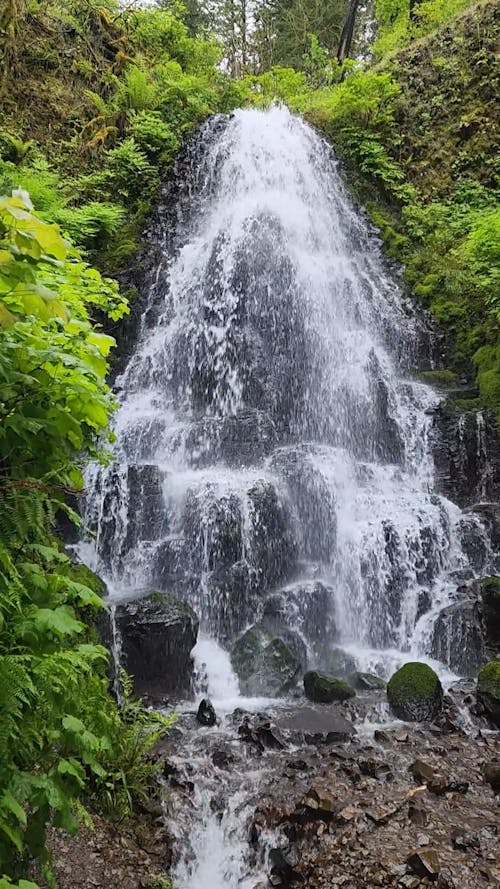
{"x":272,"y":440}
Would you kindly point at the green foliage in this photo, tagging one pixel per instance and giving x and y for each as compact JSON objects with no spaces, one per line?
{"x":61,"y":736}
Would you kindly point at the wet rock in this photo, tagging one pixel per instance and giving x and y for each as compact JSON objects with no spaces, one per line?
{"x":307,"y":606}
{"x":261,"y":733}
{"x":313,"y":502}
{"x":239,"y":439}
{"x":366,"y":682}
{"x":206,"y":714}
{"x":320,"y":802}
{"x":490,"y":595}
{"x":337,"y":662}
{"x":488,"y":690}
{"x":459,"y":637}
{"x":323,"y":689}
{"x":272,"y":547}
{"x":424,"y":864}
{"x":415,"y":693}
{"x":374,"y":768}
{"x":422,"y":771}
{"x":222,"y":758}
{"x":158,"y":634}
{"x":466,"y":454}
{"x":282,"y":874}
{"x":264,"y":663}
{"x":310,"y":726}
{"x":491,"y":774}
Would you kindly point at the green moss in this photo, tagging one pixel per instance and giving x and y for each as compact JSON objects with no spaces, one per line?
{"x":488,"y":689}
{"x":414,"y":692}
{"x":415,"y":678}
{"x":81,"y":574}
{"x":444,"y":379}
{"x":325,"y":689}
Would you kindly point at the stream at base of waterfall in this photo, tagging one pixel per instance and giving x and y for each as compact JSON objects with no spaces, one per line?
{"x":274,"y":456}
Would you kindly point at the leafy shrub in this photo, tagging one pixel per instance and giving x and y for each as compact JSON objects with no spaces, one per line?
{"x":130,"y":171}
{"x":91,"y":225}
{"x":153,"y":135}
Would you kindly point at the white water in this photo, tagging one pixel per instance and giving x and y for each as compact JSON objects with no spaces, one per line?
{"x":272,"y":303}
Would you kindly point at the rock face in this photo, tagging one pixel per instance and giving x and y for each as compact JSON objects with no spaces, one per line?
{"x":415,"y":693}
{"x":490,"y":596}
{"x":488,"y":689}
{"x":466,"y":453}
{"x":324,"y":689}
{"x":267,"y":663}
{"x":158,"y":634}
{"x":459,"y":638}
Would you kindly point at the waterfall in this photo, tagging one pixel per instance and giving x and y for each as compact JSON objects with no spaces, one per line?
{"x":272,"y":440}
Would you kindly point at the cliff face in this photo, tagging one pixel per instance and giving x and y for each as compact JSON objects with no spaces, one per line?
{"x":419,"y":133}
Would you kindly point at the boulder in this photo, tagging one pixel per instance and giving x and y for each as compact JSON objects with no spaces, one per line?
{"x":264,"y":663}
{"x":272,"y":549}
{"x":157,"y":634}
{"x":306,"y":605}
{"x":415,"y":692}
{"x":366,"y":682}
{"x":488,"y":690}
{"x":306,"y":725}
{"x":206,"y":714}
{"x":323,"y":689}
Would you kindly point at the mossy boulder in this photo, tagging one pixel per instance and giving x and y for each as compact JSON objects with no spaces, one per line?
{"x":488,"y":689}
{"x":323,"y":689}
{"x":415,"y":693}
{"x":265,"y":663}
{"x":79,"y":573}
{"x":490,"y":595}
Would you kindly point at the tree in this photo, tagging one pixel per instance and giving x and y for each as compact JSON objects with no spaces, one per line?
{"x":284,"y":28}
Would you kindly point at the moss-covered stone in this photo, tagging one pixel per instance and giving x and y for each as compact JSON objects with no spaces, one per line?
{"x":441,"y":379}
{"x":415,"y":692}
{"x":490,"y":595}
{"x":323,"y":689}
{"x":265,"y":663}
{"x":488,"y":689}
{"x":80,"y":573}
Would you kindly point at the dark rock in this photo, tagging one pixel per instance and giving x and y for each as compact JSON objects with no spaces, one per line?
{"x":424,"y":863}
{"x":264,"y":663}
{"x":319,"y":800}
{"x":158,"y":634}
{"x":459,"y":637}
{"x":337,"y":662}
{"x":490,"y":595}
{"x":366,"y":682}
{"x":222,"y":758}
{"x":311,"y":726}
{"x":206,"y":714}
{"x":488,"y":689}
{"x":374,"y":768}
{"x":491,"y":774}
{"x":415,"y":693}
{"x":272,"y":547}
{"x":262,"y":734}
{"x":323,"y":689}
{"x":307,"y":606}
{"x":466,"y":453}
{"x":282,"y":874}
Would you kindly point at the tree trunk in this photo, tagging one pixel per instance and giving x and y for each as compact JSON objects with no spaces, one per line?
{"x":347,"y":32}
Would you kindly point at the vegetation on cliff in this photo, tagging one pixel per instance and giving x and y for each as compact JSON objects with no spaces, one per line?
{"x":95,"y":101}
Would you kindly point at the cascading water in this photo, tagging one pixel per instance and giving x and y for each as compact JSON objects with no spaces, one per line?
{"x":273,"y":450}
{"x":270,"y":439}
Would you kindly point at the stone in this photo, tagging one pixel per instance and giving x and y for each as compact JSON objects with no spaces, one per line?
{"x":320,"y":801}
{"x":307,"y":606}
{"x":488,"y":690}
{"x":158,"y":633}
{"x":424,"y":863}
{"x":366,"y":682}
{"x":282,"y":873}
{"x":458,"y":637}
{"x":323,"y":689}
{"x":415,"y":693}
{"x":422,"y":771}
{"x":337,"y":662}
{"x":315,"y":726}
{"x":491,"y":774}
{"x":490,"y":596}
{"x":265,"y":664}
{"x":206,"y":714}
